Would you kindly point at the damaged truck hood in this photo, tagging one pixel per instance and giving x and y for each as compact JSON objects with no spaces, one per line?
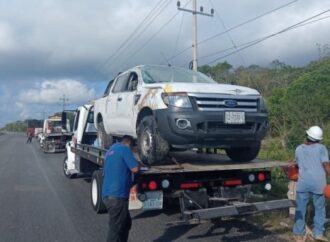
{"x":203,"y":88}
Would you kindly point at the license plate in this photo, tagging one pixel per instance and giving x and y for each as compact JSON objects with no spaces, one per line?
{"x":154,"y":200}
{"x":234,"y":117}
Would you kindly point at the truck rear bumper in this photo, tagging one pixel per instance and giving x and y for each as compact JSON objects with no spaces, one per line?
{"x":208,"y":129}
{"x":202,"y":215}
{"x":240,"y":209}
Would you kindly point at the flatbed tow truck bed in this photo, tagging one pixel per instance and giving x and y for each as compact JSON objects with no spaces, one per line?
{"x":188,"y":161}
{"x":201,"y":182}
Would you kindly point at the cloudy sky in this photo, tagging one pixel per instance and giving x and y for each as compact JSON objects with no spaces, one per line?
{"x":51,"y":48}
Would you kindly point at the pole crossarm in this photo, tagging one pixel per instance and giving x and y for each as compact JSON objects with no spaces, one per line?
{"x":195,"y":12}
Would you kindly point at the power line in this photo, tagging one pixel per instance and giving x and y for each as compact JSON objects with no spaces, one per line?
{"x":178,"y":36}
{"x":310,"y":22}
{"x":234,"y":27}
{"x":255,"y":40}
{"x":248,"y":21}
{"x":227,"y":33}
{"x":141,"y":47}
{"x":294,"y":26}
{"x":150,"y":22}
{"x":156,"y":8}
{"x":227,"y":49}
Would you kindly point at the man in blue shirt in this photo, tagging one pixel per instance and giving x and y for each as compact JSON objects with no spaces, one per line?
{"x":313,"y":162}
{"x":119,"y":167}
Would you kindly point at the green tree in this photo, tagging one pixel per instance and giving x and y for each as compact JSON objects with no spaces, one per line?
{"x":221,"y":72}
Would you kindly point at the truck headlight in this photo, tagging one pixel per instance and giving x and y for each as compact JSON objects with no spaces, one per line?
{"x":177,"y":99}
{"x":262,"y":105}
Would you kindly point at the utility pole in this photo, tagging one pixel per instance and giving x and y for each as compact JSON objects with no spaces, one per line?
{"x":64,"y":101}
{"x":194,"y":27}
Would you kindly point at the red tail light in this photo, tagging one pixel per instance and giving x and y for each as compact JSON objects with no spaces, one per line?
{"x":190,"y":185}
{"x":232,"y":182}
{"x":152,"y":185}
{"x":261,"y":177}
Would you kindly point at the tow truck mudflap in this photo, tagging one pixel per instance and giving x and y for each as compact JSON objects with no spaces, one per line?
{"x":195,"y":216}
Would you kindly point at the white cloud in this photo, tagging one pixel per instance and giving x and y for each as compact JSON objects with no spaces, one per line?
{"x":6,"y":41}
{"x":50,"y":91}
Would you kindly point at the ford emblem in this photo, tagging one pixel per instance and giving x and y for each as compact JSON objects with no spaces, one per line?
{"x":230,"y":103}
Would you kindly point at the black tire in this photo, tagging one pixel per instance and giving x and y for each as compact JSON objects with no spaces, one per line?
{"x":243,"y":153}
{"x":151,"y":146}
{"x":105,"y":141}
{"x":49,"y":147}
{"x":66,"y":173}
{"x":96,"y":192}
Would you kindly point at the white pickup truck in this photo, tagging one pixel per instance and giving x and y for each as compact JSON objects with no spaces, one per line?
{"x":166,"y":108}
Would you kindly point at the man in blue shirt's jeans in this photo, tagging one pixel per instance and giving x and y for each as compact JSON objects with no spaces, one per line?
{"x":313,"y":162}
{"x":119,"y":166}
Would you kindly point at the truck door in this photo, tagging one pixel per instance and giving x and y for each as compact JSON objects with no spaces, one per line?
{"x":113,"y":118}
{"x":126,"y":103}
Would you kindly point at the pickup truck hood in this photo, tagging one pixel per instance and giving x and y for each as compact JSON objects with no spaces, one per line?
{"x":204,"y":88}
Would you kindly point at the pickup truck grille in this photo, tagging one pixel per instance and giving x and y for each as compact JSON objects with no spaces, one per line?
{"x":220,"y":127}
{"x":220,"y":102}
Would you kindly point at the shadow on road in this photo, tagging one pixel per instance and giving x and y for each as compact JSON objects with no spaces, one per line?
{"x":226,"y":231}
{"x":147,"y":214}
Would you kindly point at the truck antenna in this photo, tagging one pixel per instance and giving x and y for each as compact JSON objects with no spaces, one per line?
{"x":164,"y":57}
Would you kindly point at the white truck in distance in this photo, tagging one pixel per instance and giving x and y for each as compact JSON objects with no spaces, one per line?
{"x":166,"y":108}
{"x":55,"y":134}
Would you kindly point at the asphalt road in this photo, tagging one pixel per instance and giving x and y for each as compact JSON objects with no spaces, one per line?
{"x":37,"y":203}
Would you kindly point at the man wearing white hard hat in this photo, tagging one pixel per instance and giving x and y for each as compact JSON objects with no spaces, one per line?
{"x":313,"y":161}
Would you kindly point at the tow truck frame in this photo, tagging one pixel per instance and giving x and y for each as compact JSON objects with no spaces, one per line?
{"x":205,"y":189}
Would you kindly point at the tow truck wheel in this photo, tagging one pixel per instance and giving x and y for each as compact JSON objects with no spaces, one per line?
{"x":243,"y":153}
{"x":49,"y":147}
{"x":96,"y":192}
{"x":105,"y":141}
{"x":67,"y":174}
{"x":152,"y":147}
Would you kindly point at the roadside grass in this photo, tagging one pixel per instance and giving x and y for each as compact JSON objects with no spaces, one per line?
{"x":280,"y":223}
{"x":277,"y":222}
{"x":272,"y":149}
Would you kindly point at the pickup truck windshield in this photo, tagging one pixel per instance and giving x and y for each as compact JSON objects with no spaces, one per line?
{"x":55,"y":123}
{"x":158,"y":74}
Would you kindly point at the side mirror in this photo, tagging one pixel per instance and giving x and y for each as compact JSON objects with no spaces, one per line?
{"x":63,"y":120}
{"x":135,"y":85}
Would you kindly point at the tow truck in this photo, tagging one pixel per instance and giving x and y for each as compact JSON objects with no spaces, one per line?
{"x":55,"y":134}
{"x":204,"y":187}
